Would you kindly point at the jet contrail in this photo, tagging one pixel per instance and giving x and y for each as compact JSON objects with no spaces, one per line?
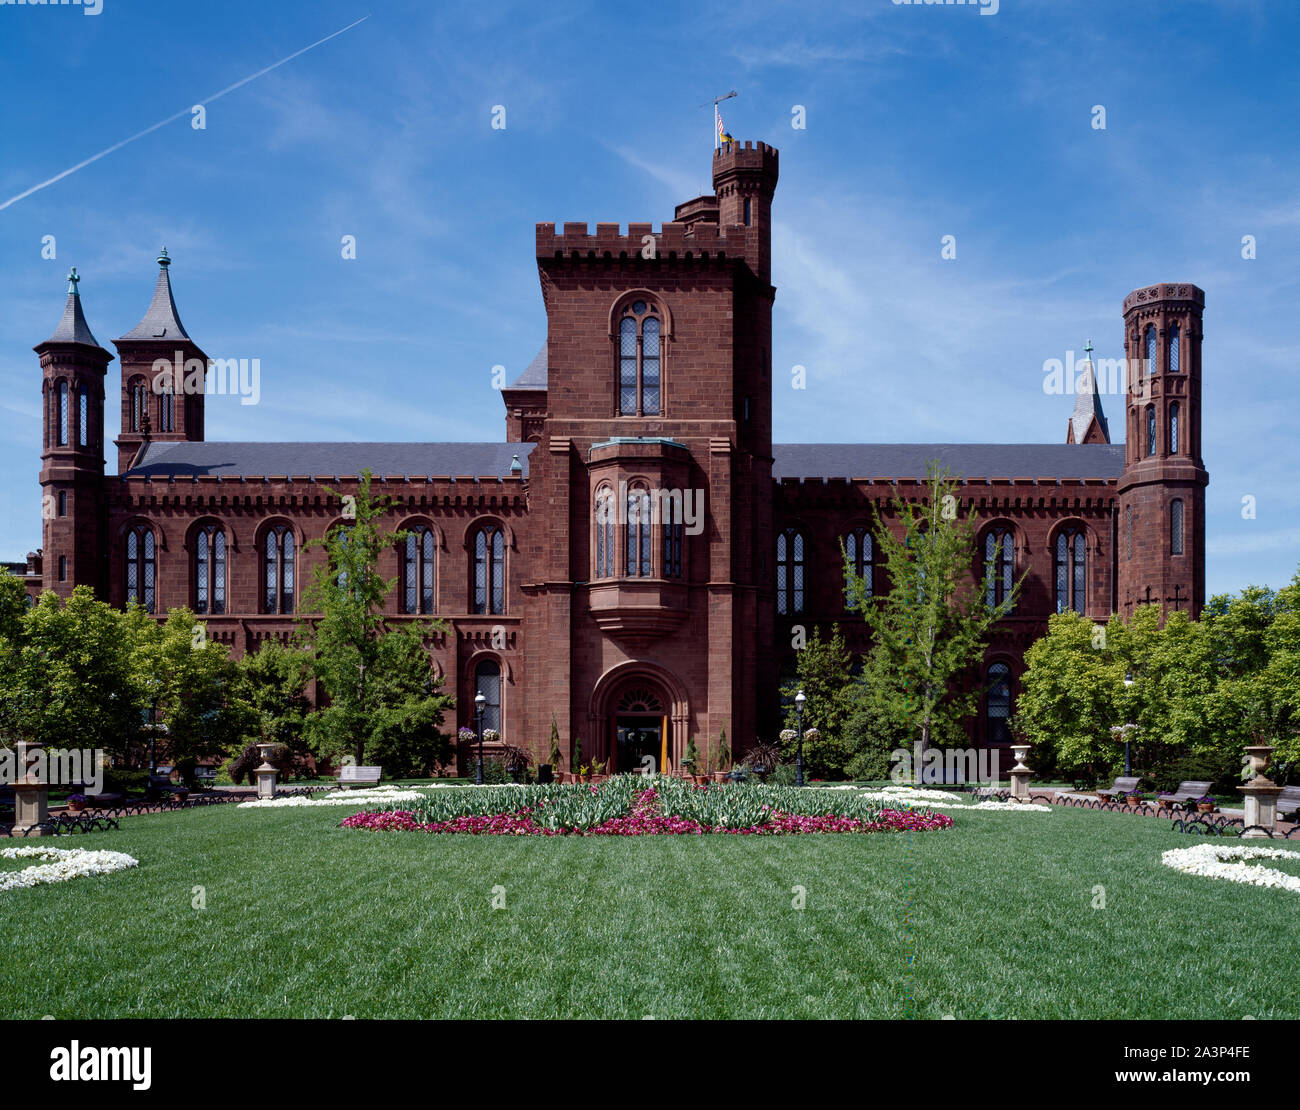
{"x":176,"y":116}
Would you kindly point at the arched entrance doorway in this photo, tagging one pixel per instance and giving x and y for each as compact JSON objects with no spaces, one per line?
{"x":638,"y":709}
{"x":641,"y":730}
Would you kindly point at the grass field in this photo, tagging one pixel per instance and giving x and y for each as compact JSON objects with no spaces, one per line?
{"x":304,"y":919}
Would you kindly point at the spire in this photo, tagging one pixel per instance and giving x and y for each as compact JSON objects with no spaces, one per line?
{"x":1088,"y":422}
{"x":73,"y":327}
{"x":162,"y":321}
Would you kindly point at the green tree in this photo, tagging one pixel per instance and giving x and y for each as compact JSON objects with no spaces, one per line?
{"x":383,"y":695}
{"x":555,"y":757}
{"x":273,"y":682}
{"x":68,"y":676}
{"x":929,"y":629}
{"x":825,"y":675}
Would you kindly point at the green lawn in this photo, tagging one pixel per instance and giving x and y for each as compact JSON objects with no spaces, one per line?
{"x":304,"y":919}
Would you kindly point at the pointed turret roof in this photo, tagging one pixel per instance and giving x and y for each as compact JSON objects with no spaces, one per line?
{"x":73,"y":327}
{"x":1087,"y":406}
{"x":162,"y":321}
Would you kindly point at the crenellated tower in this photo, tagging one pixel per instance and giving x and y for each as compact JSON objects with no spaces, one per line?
{"x":73,"y":366}
{"x":1161,"y":494}
{"x":164,"y":375}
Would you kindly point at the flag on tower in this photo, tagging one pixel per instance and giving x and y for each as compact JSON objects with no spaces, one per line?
{"x":723,"y":137}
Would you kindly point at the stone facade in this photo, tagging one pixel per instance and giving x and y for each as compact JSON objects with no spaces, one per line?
{"x":655,"y":382}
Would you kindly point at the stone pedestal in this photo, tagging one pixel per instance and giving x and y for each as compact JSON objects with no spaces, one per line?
{"x":1260,"y":794}
{"x":1020,"y":773}
{"x":31,"y":791}
{"x":265,"y":773}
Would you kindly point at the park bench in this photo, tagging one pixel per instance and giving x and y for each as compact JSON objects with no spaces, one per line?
{"x":1288,"y":803}
{"x":1121,"y":787}
{"x":1187,"y":793}
{"x":358,"y":776}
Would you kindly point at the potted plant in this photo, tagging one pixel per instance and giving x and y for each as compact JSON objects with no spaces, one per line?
{"x":1133,"y":798}
{"x":76,"y":803}
{"x":584,"y":773}
{"x":1163,"y":802}
{"x":553,"y":764}
{"x":1205,"y":804}
{"x":598,"y":770}
{"x":723,"y":768}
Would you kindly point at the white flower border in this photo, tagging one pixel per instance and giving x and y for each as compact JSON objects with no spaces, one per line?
{"x":61,"y":865}
{"x":389,"y":793}
{"x":1213,"y":861}
{"x":942,"y":799}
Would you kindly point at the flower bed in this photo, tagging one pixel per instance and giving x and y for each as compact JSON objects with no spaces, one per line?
{"x":940,"y":799}
{"x":1216,"y":861}
{"x":636,"y":805}
{"x":61,"y":864}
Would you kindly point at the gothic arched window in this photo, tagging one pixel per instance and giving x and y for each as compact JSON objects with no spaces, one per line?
{"x":1175,"y":354}
{"x":674,"y":529}
{"x":640,"y":358}
{"x":489,"y":570}
{"x":789,"y":572}
{"x":1128,"y":527}
{"x":141,"y":567}
{"x":210,"y":570}
{"x":63,"y":414}
{"x":1071,"y":571}
{"x":1151,"y":349}
{"x":83,"y":416}
{"x":859,"y":546}
{"x":997,"y":705}
{"x":487,"y":681}
{"x":1176,"y":527}
{"x":637,"y":553}
{"x":418,"y":562}
{"x":1151,"y":429}
{"x":1000,"y":566}
{"x":277,"y":570}
{"x":167,"y":409}
{"x":1173,"y":428}
{"x":138,"y":398}
{"x":63,"y":502}
{"x":605,"y":516}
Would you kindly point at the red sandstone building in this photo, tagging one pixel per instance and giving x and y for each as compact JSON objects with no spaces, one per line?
{"x":656,"y":375}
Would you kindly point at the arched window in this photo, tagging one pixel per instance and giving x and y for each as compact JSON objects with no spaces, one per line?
{"x":1071,"y":571}
{"x":167,"y":409}
{"x":1173,"y":428}
{"x":277,"y":570}
{"x":489,"y":570}
{"x":789,"y":572}
{"x":640,"y":334}
{"x":1175,"y":527}
{"x":1175,"y":354}
{"x":999,"y":566}
{"x":674,"y":529}
{"x":1151,"y":429}
{"x":997,"y":705}
{"x":487,"y":681}
{"x":83,"y":416}
{"x":605,"y":515}
{"x":859,"y":546}
{"x":63,"y":568}
{"x":140,"y":567}
{"x":139,"y":396}
{"x":417,"y":571}
{"x":63,"y":414}
{"x":210,"y":570}
{"x":1128,"y":527}
{"x":1151,"y":349}
{"x":637,"y":554}
{"x":63,"y":502}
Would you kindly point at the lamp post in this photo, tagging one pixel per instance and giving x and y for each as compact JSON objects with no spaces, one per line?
{"x":479,"y":702}
{"x":799,"y":701}
{"x":1128,"y":761}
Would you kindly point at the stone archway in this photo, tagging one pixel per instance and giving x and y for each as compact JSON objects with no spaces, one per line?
{"x":633,"y":705}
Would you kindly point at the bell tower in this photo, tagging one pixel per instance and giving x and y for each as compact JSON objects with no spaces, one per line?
{"x":1161,"y":503}
{"x":73,"y":366}
{"x":164,"y":376}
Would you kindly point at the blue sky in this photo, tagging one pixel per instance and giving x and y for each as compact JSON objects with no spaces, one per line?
{"x":921,"y":122}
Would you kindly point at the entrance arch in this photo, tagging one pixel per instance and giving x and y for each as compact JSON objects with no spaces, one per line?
{"x":638,"y":709}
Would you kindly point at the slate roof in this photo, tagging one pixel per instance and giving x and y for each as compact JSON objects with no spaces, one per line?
{"x":1087,"y":405}
{"x":161,"y":321}
{"x":329,"y":460}
{"x":535,"y":373}
{"x":967,"y":460}
{"x":73,"y":327}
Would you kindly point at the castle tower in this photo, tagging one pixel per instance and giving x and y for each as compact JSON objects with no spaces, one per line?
{"x":1161,"y":526}
{"x":73,"y":366}
{"x":164,"y":374}
{"x":744,"y":180}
